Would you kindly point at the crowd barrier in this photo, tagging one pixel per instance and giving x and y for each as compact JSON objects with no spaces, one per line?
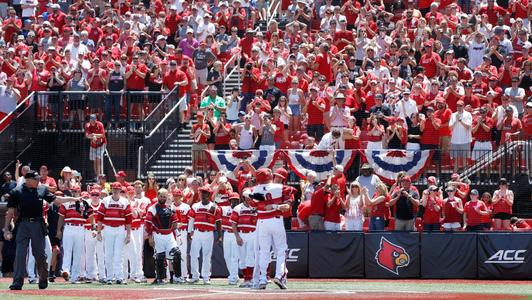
{"x":390,"y":255}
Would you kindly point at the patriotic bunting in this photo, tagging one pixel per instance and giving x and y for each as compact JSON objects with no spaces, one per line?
{"x":227,"y":160}
{"x":387,"y":163}
{"x":319,"y":161}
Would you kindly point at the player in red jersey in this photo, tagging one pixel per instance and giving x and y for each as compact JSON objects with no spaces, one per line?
{"x":244,"y":222}
{"x":204,"y":218}
{"x":94,"y":253}
{"x":115,"y":214}
{"x":181,"y":209}
{"x":73,"y":216}
{"x":230,"y":245}
{"x":161,"y":222}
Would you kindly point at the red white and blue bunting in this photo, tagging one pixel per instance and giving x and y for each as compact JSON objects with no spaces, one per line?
{"x":227,"y":160}
{"x":319,"y":161}
{"x":388,"y":163}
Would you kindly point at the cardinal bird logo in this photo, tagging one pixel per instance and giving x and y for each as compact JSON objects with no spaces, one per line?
{"x":391,"y":256}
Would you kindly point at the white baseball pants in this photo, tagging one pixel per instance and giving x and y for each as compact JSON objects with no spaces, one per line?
{"x":231,"y":253}
{"x":182,"y":235}
{"x":73,"y":240}
{"x":246,"y":252}
{"x":94,"y":257}
{"x":201,"y":241}
{"x":271,"y":231}
{"x":131,"y":256}
{"x":113,"y":242}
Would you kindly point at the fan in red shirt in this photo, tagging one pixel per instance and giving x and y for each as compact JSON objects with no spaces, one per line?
{"x":527,"y":121}
{"x":429,"y":127}
{"x":444,"y":114}
{"x":331,"y":220}
{"x":481,"y":129}
{"x":430,"y":60}
{"x":95,"y":131}
{"x":510,"y":127}
{"x":494,"y":12}
{"x":200,"y":133}
{"x":323,"y":63}
{"x":379,"y":206}
{"x":318,"y":205}
{"x":474,"y":210}
{"x":432,"y":202}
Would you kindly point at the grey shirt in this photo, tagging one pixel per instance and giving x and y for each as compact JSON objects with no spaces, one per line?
{"x":202,"y":57}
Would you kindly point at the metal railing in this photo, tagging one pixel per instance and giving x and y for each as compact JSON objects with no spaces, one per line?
{"x":18,"y":135}
{"x":158,"y":137}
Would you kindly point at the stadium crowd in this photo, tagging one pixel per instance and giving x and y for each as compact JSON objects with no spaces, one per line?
{"x":446,"y":75}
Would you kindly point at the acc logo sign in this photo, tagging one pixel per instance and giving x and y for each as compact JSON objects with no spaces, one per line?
{"x":391,"y":256}
{"x":507,"y":257}
{"x":291,"y":255}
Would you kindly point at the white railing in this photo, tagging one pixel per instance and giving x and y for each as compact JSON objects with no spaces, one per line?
{"x":20,"y":105}
{"x":168,"y":114}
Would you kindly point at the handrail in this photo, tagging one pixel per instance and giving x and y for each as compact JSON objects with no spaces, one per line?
{"x":161,"y":102}
{"x":139,"y":161}
{"x":169,"y":113}
{"x":271,"y":17}
{"x":6,"y":117}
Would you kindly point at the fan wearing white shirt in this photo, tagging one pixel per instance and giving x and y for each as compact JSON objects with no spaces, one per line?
{"x":461,"y":137}
{"x":405,"y":107}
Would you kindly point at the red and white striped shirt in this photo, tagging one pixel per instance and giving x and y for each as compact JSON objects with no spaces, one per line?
{"x":273,"y":193}
{"x":202,"y":219}
{"x":94,"y":208}
{"x":71,"y":215}
{"x":114,"y":213}
{"x":245,"y":218}
{"x":155,"y":224}
{"x":226,"y":218}
{"x":182,"y":215}
{"x":140,"y":205}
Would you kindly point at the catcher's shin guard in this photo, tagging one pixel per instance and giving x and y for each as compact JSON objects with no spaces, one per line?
{"x":160,"y":270}
{"x":175,"y":254}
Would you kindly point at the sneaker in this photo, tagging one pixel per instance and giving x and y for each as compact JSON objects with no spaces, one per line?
{"x":137,"y":280}
{"x":262,"y":286}
{"x":75,"y":282}
{"x":158,"y":281}
{"x":51,"y":278}
{"x":32,"y":281}
{"x":193,"y":280}
{"x":109,"y":282}
{"x":89,"y":280}
{"x":280,"y":283}
{"x":245,"y":284}
{"x":232,"y":282}
{"x":120,"y":282}
{"x":180,"y":280}
{"x":206,"y":281}
{"x":102,"y":281}
{"x":15,"y":287}
{"x":43,"y":284}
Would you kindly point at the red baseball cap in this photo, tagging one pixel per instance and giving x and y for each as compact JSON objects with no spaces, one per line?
{"x":427,"y":44}
{"x":205,"y":189}
{"x":234,"y":196}
{"x":120,"y":174}
{"x":263,"y":175}
{"x":76,"y":188}
{"x":116,"y":185}
{"x":455,"y":176}
{"x":281,"y":172}
{"x":460,"y":102}
{"x":130,"y":189}
{"x":123,"y":189}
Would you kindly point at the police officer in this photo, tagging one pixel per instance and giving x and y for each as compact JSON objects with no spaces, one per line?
{"x":25,"y":204}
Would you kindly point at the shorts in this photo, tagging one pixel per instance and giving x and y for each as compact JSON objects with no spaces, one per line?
{"x":502,"y":216}
{"x":183,"y":106}
{"x":77,"y":104}
{"x":453,"y":225}
{"x":296,"y":109}
{"x":480,"y":149}
{"x":201,"y":76}
{"x":460,"y":150}
{"x":96,"y":153}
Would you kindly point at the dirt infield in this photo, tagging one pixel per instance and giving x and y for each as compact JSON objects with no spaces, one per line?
{"x":299,"y":289}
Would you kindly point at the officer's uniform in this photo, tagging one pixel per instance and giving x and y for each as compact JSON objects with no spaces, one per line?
{"x":30,"y":226}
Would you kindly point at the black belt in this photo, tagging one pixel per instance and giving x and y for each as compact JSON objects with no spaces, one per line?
{"x":32,"y":220}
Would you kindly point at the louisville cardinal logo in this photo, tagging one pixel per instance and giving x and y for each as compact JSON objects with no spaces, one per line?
{"x":391,"y":256}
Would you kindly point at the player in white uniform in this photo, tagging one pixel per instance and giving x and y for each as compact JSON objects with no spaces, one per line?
{"x":181,"y":209}
{"x":94,"y":255}
{"x":161,"y":223}
{"x":270,"y":198}
{"x":230,"y":245}
{"x":244,"y":221}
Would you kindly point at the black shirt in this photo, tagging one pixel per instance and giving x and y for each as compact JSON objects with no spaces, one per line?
{"x":404,"y":208}
{"x":28,"y":201}
{"x":7,"y":187}
{"x":273,"y":95}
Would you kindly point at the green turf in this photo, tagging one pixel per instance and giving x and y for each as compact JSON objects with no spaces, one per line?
{"x":323,"y":285}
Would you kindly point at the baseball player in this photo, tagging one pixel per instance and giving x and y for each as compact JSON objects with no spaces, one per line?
{"x":204,"y":217}
{"x":161,"y":223}
{"x":270,"y":198}
{"x":94,"y":254}
{"x":181,"y":233}
{"x":131,"y":251}
{"x":141,"y":206}
{"x":73,"y":216}
{"x":230,"y":245}
{"x":115,"y":214}
{"x":243,"y":222}
{"x":30,"y":267}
